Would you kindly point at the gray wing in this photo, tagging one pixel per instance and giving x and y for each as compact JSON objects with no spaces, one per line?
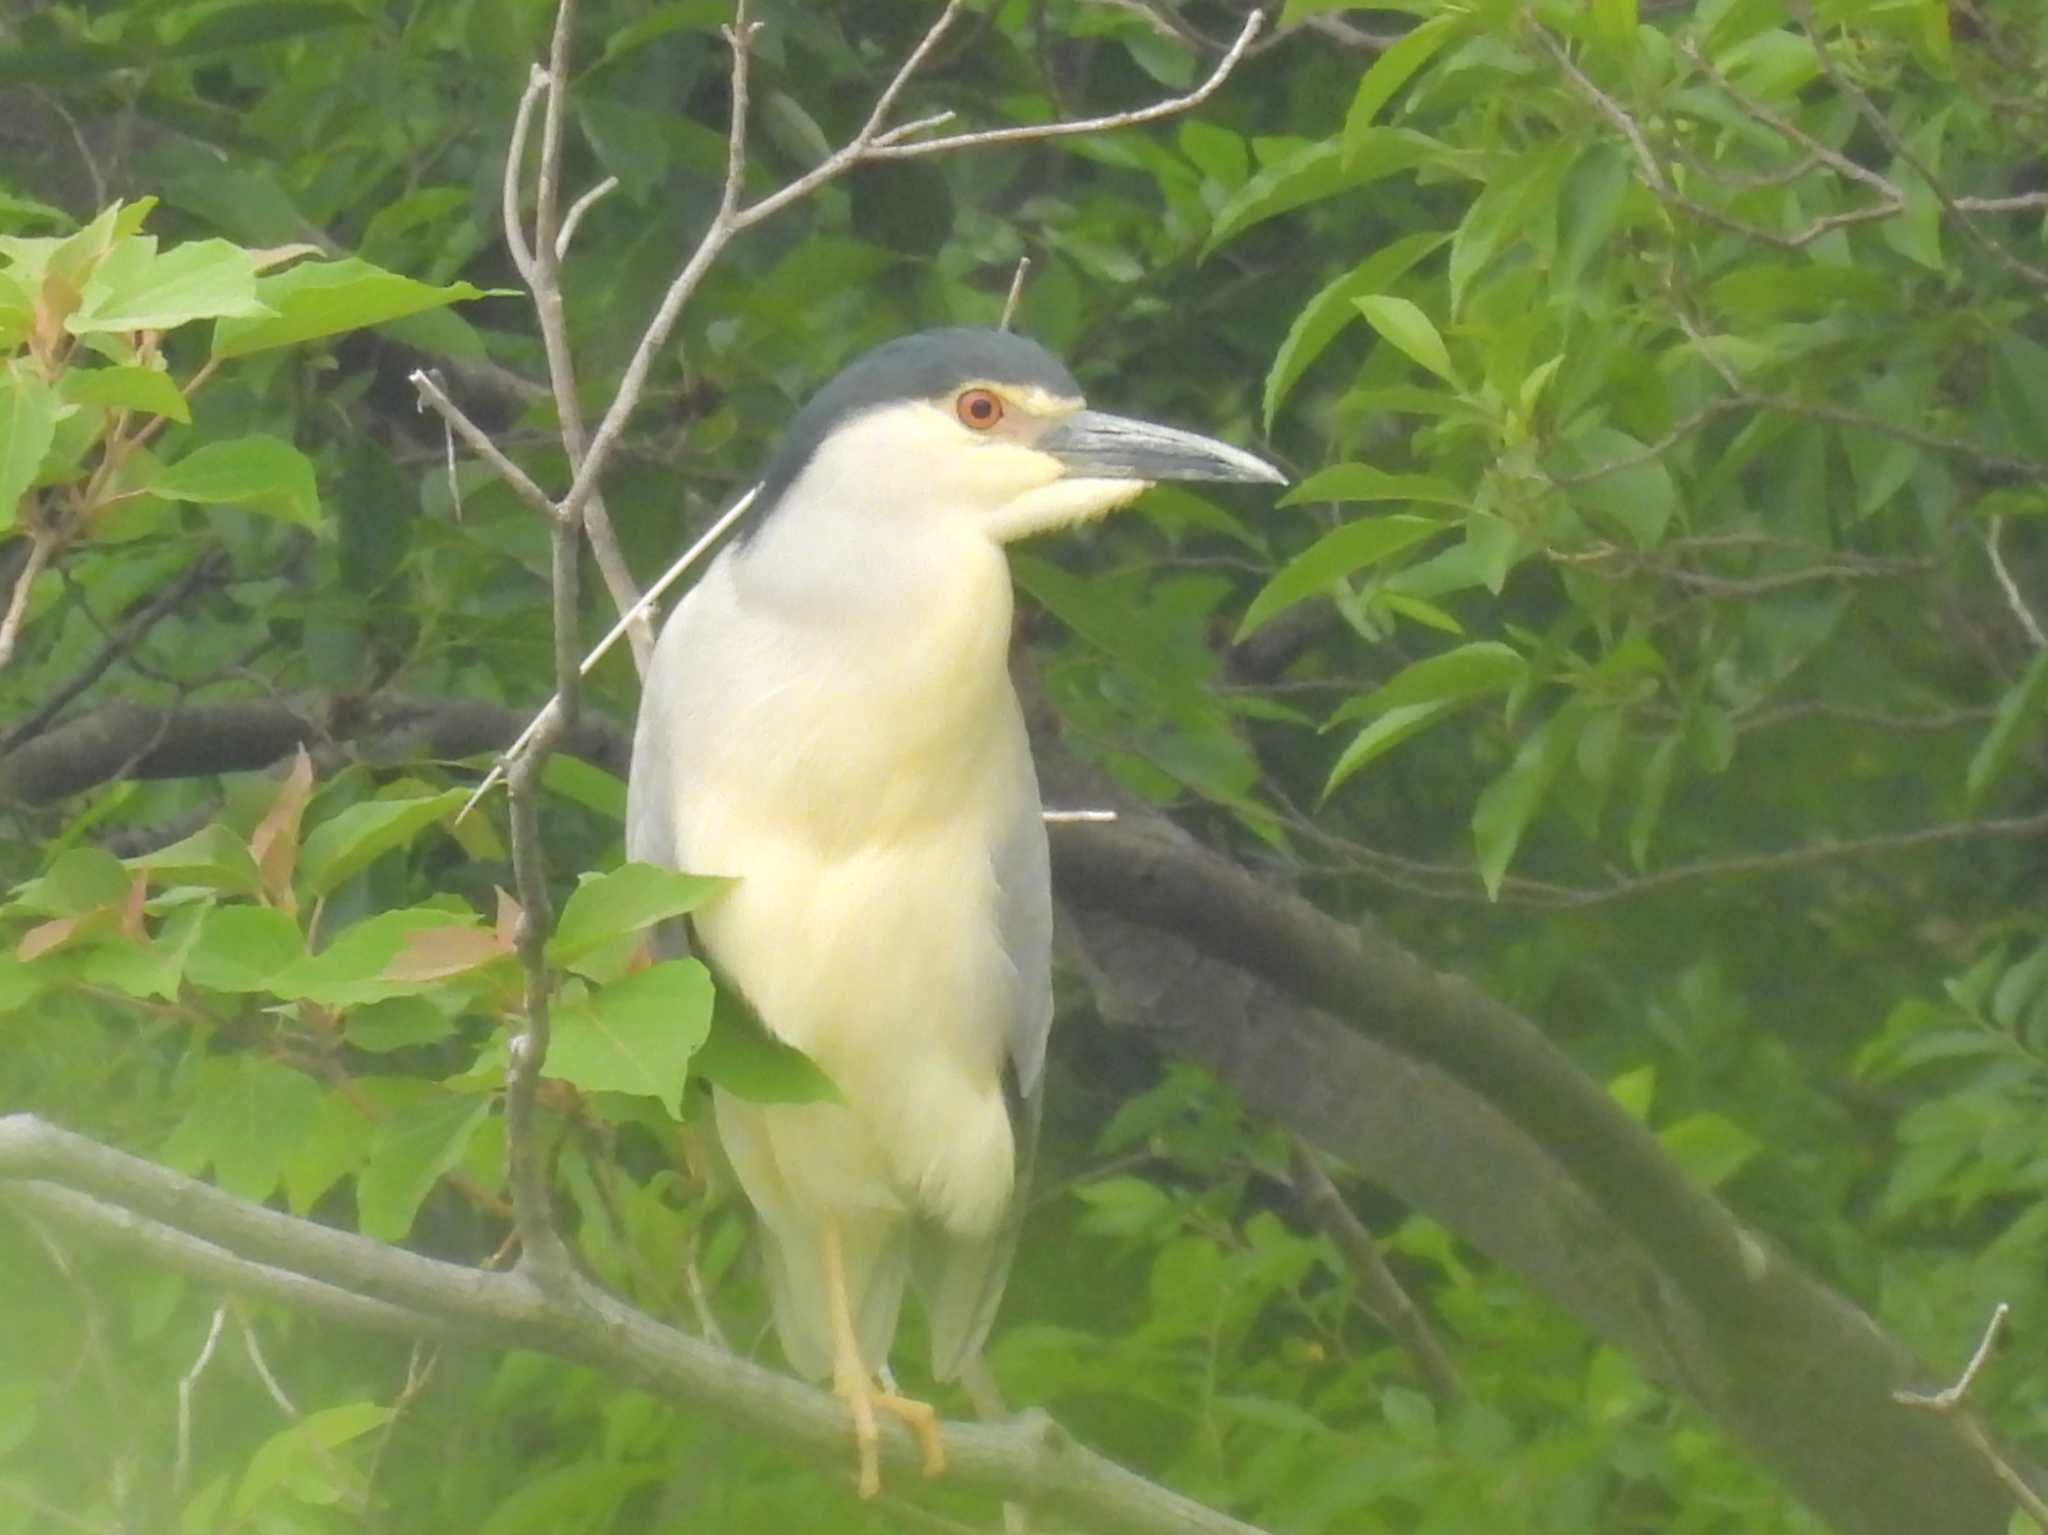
{"x":961,"y":1278}
{"x":650,"y":796}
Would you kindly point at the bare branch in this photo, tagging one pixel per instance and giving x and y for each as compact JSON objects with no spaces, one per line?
{"x":1378,"y":1289}
{"x":884,"y":149}
{"x":1949,"y":1398}
{"x":581,"y":206}
{"x":42,"y":544}
{"x":2014,"y":599}
{"x":873,"y":141}
{"x":185,"y":1384}
{"x":515,"y":170}
{"x":634,"y":614}
{"x":1016,"y":292}
{"x":480,"y":443}
{"x":218,"y":1238}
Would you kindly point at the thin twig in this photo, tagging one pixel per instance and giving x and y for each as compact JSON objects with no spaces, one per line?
{"x":873,"y":141}
{"x":2013,"y":597}
{"x":1949,"y":1398}
{"x":581,"y":206}
{"x":653,"y":595}
{"x":481,"y":444}
{"x":41,"y":545}
{"x":1378,"y":1289}
{"x":1016,"y":292}
{"x":186,"y":1382}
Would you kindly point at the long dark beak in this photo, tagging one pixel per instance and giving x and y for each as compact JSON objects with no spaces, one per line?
{"x":1096,"y":445}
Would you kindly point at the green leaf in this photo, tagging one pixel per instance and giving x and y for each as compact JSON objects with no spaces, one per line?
{"x":1389,"y":72}
{"x":398,"y":1023}
{"x":1325,"y":315}
{"x":636,"y":1035}
{"x":213,"y":856}
{"x":300,"y":1460}
{"x":622,"y":903}
{"x":1470,"y":671}
{"x":28,"y":425}
{"x":2019,"y":712}
{"x":744,"y":1059}
{"x":1508,"y":804}
{"x":1311,"y":173}
{"x":80,"y":879}
{"x":411,"y":1148}
{"x":243,"y":948}
{"x":1588,"y":203}
{"x":1616,"y":475}
{"x":1633,"y":1092}
{"x":267,"y":474}
{"x":586,"y":784}
{"x":1409,"y":329}
{"x":1656,"y":783}
{"x":351,"y":970}
{"x":324,"y":298}
{"x":1336,"y":554}
{"x":347,"y":843}
{"x":249,"y":1115}
{"x":1710,"y":1147}
{"x":134,"y":387}
{"x":585,"y":1495}
{"x":1384,"y":734}
{"x":1362,"y":482}
{"x":137,"y":289}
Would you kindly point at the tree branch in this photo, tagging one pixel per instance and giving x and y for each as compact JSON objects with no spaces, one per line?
{"x":255,"y":1250}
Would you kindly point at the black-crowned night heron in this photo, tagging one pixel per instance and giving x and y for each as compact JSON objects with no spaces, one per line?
{"x":829,"y":720}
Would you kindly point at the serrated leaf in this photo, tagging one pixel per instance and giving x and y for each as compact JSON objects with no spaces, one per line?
{"x":347,"y":843}
{"x":741,"y":1057}
{"x":1336,"y":554}
{"x":1507,"y":805}
{"x":28,"y":425}
{"x":1323,"y":317}
{"x":349,"y":971}
{"x":398,"y":1023}
{"x":636,"y":1035}
{"x":625,"y":901}
{"x":243,"y":948}
{"x":213,"y":857}
{"x":410,"y":1149}
{"x":435,"y":953}
{"x":325,"y":298}
{"x":1407,"y":328}
{"x":134,"y":387}
{"x":1389,"y":72}
{"x":2019,"y":714}
{"x":137,"y":288}
{"x":248,"y":1116}
{"x":79,"y":880}
{"x":264,"y":473}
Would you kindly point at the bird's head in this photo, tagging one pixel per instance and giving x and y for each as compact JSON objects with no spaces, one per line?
{"x":981,"y":426}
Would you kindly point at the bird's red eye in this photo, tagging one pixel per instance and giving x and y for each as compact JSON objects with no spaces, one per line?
{"x":979,"y":408}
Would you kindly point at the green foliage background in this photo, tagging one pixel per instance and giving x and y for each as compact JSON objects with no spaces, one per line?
{"x":1658,"y":385}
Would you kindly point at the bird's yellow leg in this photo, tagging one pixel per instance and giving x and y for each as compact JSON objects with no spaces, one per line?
{"x":852,"y":1382}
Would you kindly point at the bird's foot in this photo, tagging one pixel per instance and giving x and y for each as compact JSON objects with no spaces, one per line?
{"x":862,"y":1402}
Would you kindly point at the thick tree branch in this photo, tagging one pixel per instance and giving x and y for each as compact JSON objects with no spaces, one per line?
{"x":129,"y":1200}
